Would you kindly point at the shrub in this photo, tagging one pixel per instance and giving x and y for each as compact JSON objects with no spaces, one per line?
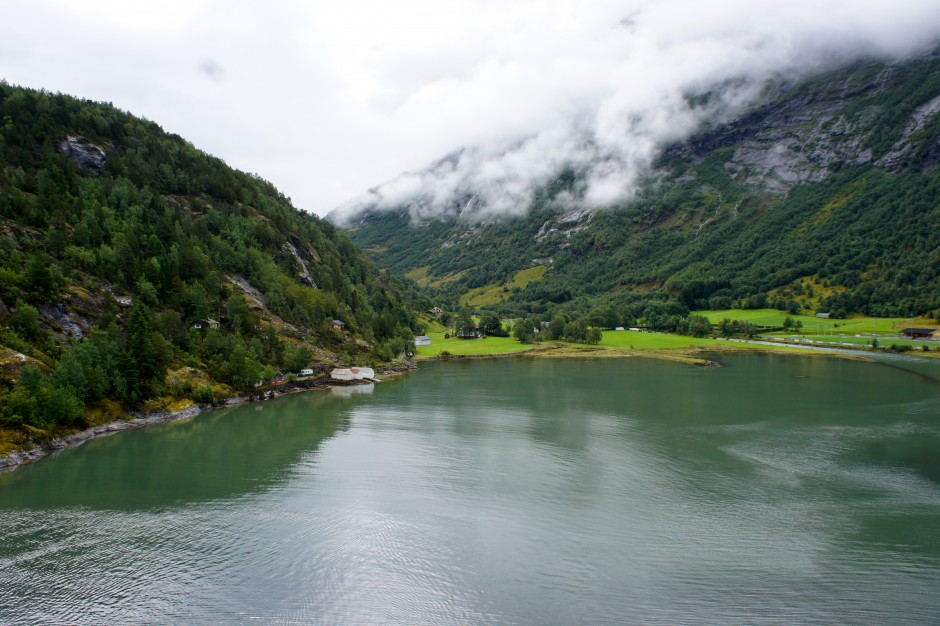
{"x":204,"y":394}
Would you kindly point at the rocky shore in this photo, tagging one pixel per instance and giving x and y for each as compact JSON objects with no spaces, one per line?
{"x":21,"y":457}
{"x":141,"y":420}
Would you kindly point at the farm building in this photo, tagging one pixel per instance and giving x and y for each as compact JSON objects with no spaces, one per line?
{"x":339,"y":325}
{"x":342,"y":374}
{"x":422,"y":340}
{"x":918,"y":333}
{"x":822,"y":316}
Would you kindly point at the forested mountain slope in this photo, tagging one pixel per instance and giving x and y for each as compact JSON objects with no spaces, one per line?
{"x":132,"y":265}
{"x":825,"y":197}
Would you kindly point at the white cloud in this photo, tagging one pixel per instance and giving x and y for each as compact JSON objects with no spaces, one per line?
{"x":327,"y":99}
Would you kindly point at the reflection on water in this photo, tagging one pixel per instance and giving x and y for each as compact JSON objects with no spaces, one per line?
{"x":774,"y":490}
{"x":349,"y":391}
{"x":220,"y":454}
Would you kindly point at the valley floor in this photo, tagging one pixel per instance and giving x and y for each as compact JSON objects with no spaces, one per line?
{"x":615,"y":344}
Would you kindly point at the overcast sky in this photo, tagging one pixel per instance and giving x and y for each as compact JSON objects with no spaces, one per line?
{"x":329,"y":99}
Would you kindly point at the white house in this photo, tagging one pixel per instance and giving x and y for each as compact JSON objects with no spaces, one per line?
{"x":306,"y":372}
{"x":422,"y":340}
{"x":362,"y":372}
{"x":207,"y":323}
{"x":342,"y":374}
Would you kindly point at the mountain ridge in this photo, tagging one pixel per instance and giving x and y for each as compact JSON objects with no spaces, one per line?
{"x":817,"y":186}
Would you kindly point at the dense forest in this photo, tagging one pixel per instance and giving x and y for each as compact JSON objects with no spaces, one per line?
{"x":824,"y":198}
{"x":134,"y":266}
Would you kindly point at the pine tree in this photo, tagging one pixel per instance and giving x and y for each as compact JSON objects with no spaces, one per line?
{"x":140,"y":358}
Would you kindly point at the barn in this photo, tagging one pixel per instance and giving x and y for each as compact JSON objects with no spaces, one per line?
{"x":917,"y":333}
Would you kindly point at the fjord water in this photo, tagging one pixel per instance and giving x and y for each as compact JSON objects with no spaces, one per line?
{"x":774,"y":489}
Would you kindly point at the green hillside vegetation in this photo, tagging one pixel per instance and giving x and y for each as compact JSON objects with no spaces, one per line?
{"x":494,"y":294}
{"x":134,"y":267}
{"x":712,"y":231}
{"x":420,"y":276}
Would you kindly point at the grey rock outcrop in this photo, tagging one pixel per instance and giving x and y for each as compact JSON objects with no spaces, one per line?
{"x":72,"y":324}
{"x":304,"y":273}
{"x":84,"y":154}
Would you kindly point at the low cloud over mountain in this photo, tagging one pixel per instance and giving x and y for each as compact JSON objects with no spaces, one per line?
{"x":602,"y":94}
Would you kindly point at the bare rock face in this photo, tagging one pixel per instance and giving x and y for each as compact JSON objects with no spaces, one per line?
{"x":83,"y":153}
{"x":304,"y":273}
{"x":73,"y":325}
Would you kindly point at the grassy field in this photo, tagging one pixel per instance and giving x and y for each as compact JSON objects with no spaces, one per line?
{"x":487,"y":345}
{"x":420,"y":276}
{"x":663,"y":345}
{"x":886,"y":327}
{"x":494,"y":294}
{"x":614,"y":343}
{"x":485,"y":296}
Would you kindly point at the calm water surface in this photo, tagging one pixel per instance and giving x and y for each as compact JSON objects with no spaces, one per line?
{"x":773,"y":490}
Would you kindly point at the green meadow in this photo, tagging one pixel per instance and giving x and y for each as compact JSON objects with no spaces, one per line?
{"x":484,"y":346}
{"x":625,"y":342}
{"x":614,"y":343}
{"x":494,"y":294}
{"x":882,"y":326}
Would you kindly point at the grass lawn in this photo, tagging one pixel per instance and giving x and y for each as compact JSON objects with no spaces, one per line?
{"x":624,"y":342}
{"x":663,"y":345}
{"x":487,"y":345}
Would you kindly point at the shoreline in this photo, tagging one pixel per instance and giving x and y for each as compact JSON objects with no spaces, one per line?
{"x":136,"y":420}
{"x":696,"y":356}
{"x":690,"y":356}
